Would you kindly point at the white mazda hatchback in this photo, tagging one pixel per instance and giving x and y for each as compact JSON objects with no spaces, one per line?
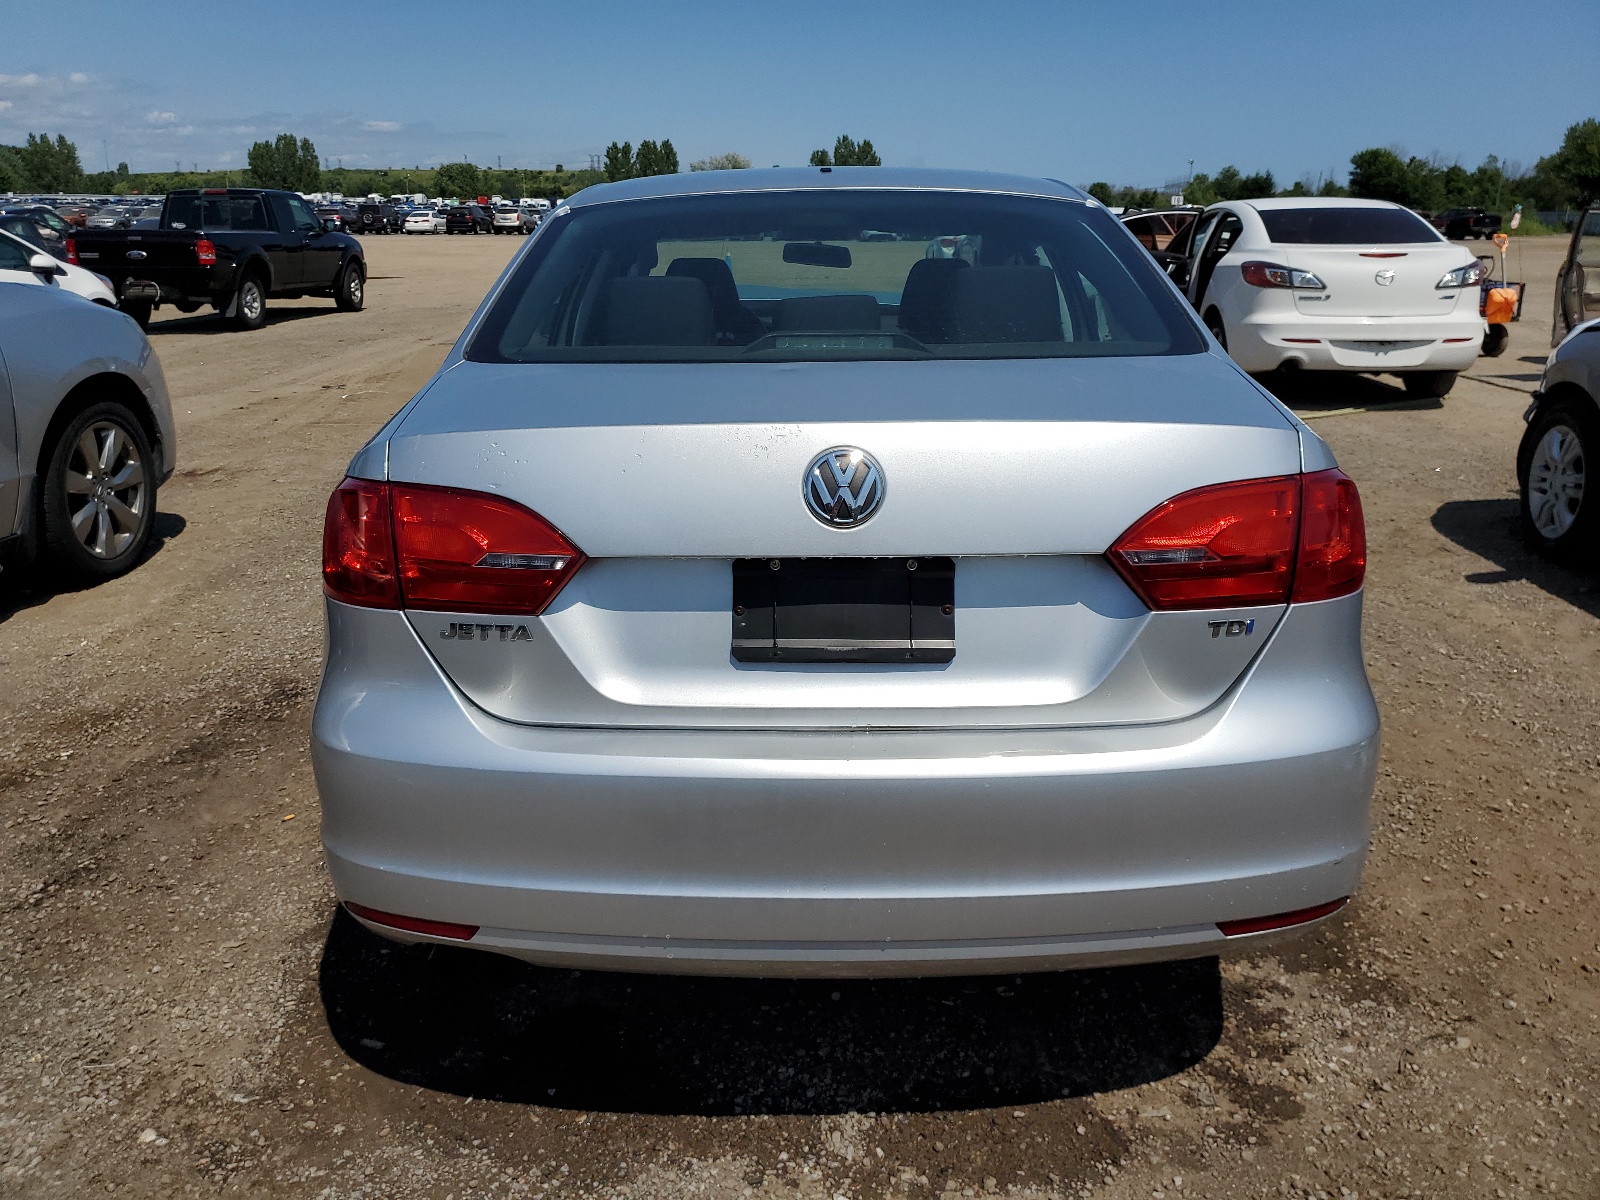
{"x":1335,"y":285}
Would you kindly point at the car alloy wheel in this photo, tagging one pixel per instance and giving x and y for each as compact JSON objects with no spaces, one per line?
{"x":1555,"y":481}
{"x":107,"y":490}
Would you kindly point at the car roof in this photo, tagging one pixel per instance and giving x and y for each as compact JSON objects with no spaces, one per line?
{"x":773,"y":179}
{"x":1315,"y":202}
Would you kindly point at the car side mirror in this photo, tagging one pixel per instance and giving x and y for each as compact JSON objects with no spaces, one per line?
{"x":329,"y":224}
{"x":42,"y":264}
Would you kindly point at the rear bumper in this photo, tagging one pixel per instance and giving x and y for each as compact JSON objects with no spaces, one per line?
{"x":1269,"y":341}
{"x":846,"y":853}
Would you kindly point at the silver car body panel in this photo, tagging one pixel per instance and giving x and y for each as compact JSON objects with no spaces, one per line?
{"x":846,"y":852}
{"x":1087,"y":781}
{"x":52,"y":342}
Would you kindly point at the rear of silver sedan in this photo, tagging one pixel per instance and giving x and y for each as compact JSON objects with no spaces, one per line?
{"x":746,"y":596}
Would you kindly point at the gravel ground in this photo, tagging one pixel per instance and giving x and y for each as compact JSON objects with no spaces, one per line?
{"x":184,"y":1013}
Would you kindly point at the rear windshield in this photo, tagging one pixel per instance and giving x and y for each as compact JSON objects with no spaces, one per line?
{"x":836,"y":275}
{"x":1345,"y":226}
{"x":244,"y":214}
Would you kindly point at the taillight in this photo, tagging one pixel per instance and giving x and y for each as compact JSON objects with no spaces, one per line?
{"x":468,"y":552}
{"x":358,"y":546}
{"x":205,"y":252}
{"x":1259,"y":541}
{"x":72,"y":251}
{"x":1217,"y":547}
{"x":1271,"y":275}
{"x":408,"y":546}
{"x":1333,"y":538}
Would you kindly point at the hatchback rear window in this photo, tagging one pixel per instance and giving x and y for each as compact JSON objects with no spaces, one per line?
{"x":1345,"y":226}
{"x":833,"y":275}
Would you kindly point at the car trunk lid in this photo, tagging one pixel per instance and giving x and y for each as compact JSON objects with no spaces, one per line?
{"x":1021,"y":472}
{"x":1376,"y":281}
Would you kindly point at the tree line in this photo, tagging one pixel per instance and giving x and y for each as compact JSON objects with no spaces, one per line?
{"x":1566,"y":179}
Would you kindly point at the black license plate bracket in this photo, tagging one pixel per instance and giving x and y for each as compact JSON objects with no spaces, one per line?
{"x":844,"y":610}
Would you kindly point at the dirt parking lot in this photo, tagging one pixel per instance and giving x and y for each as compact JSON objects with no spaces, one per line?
{"x":184,"y":1013}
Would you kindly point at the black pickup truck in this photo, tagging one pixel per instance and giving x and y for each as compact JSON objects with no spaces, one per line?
{"x":1461,"y":224}
{"x":231,"y":248}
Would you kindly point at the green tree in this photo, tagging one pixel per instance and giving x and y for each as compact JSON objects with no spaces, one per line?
{"x":1381,"y":174}
{"x":1102,"y":192}
{"x":619,"y":161}
{"x":51,"y":166}
{"x":459,"y":179}
{"x":1231,"y":185}
{"x":285,"y":163}
{"x":819,"y":158}
{"x":1577,"y":163}
{"x":732,"y":161}
{"x":847,"y":152}
{"x":1200,"y":190}
{"x":13,"y":174}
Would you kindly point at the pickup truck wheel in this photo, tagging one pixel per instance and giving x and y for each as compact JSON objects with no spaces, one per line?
{"x":249,"y":303}
{"x":98,"y":503}
{"x":350,"y":293}
{"x":139,"y":310}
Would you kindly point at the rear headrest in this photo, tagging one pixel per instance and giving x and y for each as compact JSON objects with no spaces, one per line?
{"x":925,"y":305}
{"x":712,"y":272}
{"x":655,"y":310}
{"x":1006,"y":304}
{"x":827,"y":313}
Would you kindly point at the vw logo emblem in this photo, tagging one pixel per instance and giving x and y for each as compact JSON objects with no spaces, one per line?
{"x":1384,"y":277}
{"x":843,"y":487}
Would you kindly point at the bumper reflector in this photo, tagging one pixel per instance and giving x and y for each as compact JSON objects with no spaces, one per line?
{"x":1299,"y":916}
{"x":444,"y":929}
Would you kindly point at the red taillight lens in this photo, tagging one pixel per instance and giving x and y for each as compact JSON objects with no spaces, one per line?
{"x":1264,"y":275}
{"x":1216,"y":547}
{"x":444,"y":929}
{"x":205,"y":252}
{"x":1262,"y":541}
{"x":72,"y":251}
{"x":464,"y":551}
{"x":408,"y":546}
{"x":1333,"y":538}
{"x":358,"y":546}
{"x":1300,"y":916}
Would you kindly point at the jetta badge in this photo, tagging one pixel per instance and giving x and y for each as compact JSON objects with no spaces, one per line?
{"x":843,"y":487}
{"x":1384,"y":277}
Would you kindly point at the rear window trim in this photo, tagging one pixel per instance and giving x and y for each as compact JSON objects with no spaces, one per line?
{"x":555,"y":218}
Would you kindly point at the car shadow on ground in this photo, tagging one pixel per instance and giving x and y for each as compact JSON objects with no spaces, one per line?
{"x":1314,"y":392}
{"x":29,"y":585}
{"x":209,"y":322}
{"x":474,"y":1024}
{"x":1492,"y":529}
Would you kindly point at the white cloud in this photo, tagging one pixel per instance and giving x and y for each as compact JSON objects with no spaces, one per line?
{"x":381,"y":126}
{"x":4,"y":104}
{"x":29,"y":80}
{"x":77,"y":77}
{"x":160,"y":118}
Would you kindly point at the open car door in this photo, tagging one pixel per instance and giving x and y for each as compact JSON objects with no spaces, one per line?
{"x":1578,"y":281}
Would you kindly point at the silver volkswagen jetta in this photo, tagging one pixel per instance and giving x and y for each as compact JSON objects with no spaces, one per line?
{"x":758,"y":589}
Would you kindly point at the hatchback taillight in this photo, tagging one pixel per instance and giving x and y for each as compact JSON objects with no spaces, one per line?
{"x":72,"y":251}
{"x":1258,"y":541}
{"x":205,"y":252}
{"x":408,"y":546}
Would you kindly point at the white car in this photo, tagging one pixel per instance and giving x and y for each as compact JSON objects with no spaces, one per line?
{"x":424,"y":220}
{"x":24,"y":263}
{"x":1333,"y":285}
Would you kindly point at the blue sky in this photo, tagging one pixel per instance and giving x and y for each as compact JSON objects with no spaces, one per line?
{"x":1126,"y":92}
